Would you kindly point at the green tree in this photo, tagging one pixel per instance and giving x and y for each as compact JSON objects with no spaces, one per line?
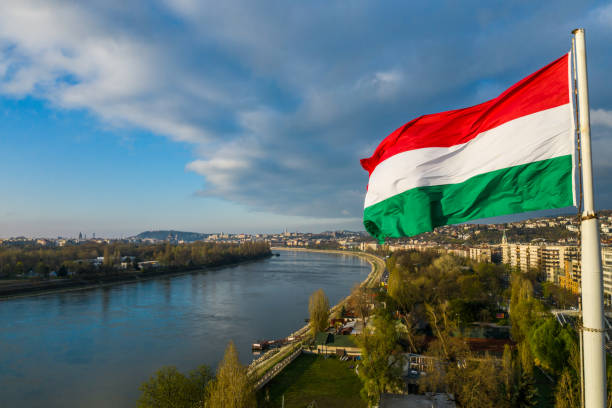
{"x":318,"y":308}
{"x":19,"y":268}
{"x":406,"y":288}
{"x":518,"y":384}
{"x":475,"y":383}
{"x":524,"y":308}
{"x":232,"y":387}
{"x":62,"y":271}
{"x":525,"y":357}
{"x":471,"y":287}
{"x":169,"y":388}
{"x":381,"y":359}
{"x":567,"y":393}
{"x":526,"y":393}
{"x":550,"y":344}
{"x":108,"y":260}
{"x":559,"y":296}
{"x":42,"y":269}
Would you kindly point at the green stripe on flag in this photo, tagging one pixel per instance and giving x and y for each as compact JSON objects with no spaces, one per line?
{"x":534,"y":186}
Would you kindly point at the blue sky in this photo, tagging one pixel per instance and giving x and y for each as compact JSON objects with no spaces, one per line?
{"x":118,"y":117}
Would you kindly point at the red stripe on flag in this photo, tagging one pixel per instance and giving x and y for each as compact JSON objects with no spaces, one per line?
{"x":544,"y":89}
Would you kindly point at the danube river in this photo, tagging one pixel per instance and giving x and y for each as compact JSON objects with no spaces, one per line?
{"x":93,"y":348}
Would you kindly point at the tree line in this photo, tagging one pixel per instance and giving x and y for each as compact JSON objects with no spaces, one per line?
{"x":431,"y":297}
{"x":77,"y":259}
{"x":231,"y":387}
{"x":472,"y":291}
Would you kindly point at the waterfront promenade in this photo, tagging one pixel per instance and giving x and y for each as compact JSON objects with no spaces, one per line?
{"x":274,"y":361}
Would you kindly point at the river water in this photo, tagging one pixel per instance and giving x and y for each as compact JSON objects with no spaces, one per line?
{"x":93,"y":348}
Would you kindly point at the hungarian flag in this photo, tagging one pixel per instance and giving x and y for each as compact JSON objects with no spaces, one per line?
{"x":512,"y":154}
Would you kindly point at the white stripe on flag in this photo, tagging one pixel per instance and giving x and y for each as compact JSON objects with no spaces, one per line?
{"x":539,"y":136}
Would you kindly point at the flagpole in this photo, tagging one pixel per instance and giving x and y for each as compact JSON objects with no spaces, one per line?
{"x":592,"y":285}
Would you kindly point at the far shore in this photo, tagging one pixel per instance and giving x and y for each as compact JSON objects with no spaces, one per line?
{"x":70,"y":285}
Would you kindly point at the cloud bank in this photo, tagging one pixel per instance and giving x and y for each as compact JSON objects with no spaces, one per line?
{"x":281,"y":100}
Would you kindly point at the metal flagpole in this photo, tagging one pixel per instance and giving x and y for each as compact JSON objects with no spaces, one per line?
{"x":592,"y":284}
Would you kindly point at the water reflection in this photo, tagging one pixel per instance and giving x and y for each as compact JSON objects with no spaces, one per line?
{"x":105,"y":301}
{"x":167,"y":290}
{"x":93,"y":348}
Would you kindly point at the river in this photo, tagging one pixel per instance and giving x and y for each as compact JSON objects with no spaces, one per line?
{"x":93,"y":348}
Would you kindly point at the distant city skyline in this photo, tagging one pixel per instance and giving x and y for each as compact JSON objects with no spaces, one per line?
{"x":240,"y":117}
{"x":92,"y":235}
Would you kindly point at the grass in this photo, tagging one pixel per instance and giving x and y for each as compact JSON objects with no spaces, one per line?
{"x":330,"y":382}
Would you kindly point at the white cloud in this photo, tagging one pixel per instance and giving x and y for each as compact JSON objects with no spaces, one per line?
{"x":603,"y":16}
{"x":77,"y":59}
{"x":279,"y":101}
{"x":601,"y":117}
{"x":384,"y":84}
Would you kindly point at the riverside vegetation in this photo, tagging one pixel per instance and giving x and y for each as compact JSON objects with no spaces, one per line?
{"x":231,"y":387}
{"x":34,"y":267}
{"x":431,"y":302}
{"x":179,"y":390}
{"x":428,"y":308}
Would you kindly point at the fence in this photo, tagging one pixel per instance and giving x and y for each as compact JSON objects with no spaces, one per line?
{"x":270,"y":374}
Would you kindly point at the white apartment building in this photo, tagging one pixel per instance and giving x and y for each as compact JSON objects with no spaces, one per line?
{"x":561,"y":263}
{"x":554,"y":260}
{"x":480,"y":254}
{"x":606,"y":263}
{"x":522,"y":256}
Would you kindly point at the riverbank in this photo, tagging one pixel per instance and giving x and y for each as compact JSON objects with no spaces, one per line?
{"x":261,"y":366}
{"x":40,"y":288}
{"x":376,"y":263}
{"x":118,"y":337}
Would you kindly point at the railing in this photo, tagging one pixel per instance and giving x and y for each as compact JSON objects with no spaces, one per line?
{"x":262,"y":365}
{"x":270,"y":374}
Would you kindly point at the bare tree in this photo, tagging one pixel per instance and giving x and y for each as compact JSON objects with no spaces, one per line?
{"x":359,"y":301}
{"x":411,"y":332}
{"x":442,"y":327}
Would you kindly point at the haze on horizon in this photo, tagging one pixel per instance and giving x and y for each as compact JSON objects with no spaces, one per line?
{"x":240,"y":117}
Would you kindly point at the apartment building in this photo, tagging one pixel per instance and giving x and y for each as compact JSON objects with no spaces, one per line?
{"x":606,"y":263}
{"x":553,"y":260}
{"x":522,"y":256}
{"x":481,"y":254}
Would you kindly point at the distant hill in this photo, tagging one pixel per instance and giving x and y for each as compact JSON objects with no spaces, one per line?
{"x":177,"y":235}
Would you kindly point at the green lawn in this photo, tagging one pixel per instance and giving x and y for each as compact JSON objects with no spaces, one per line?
{"x":330,"y":382}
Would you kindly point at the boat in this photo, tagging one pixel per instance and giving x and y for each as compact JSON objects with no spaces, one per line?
{"x":260,"y":345}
